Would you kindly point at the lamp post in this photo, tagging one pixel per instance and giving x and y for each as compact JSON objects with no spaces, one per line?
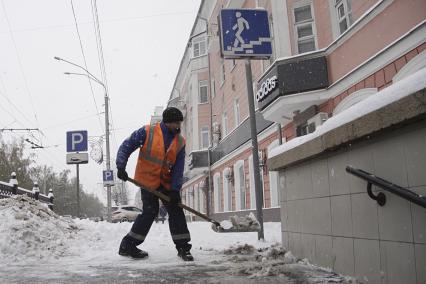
{"x":108,"y":165}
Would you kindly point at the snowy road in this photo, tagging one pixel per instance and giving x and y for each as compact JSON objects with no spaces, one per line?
{"x":39,"y":247}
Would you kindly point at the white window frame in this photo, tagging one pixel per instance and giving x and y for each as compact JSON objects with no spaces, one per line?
{"x":274,"y":181}
{"x":304,"y":23}
{"x":197,"y":43}
{"x":196,"y":197}
{"x":252,"y":189}
{"x":224,"y":124}
{"x":203,"y":84}
{"x":202,"y":199}
{"x":227,"y":193}
{"x":237,"y":115}
{"x":213,"y":88}
{"x":346,"y":17}
{"x":240,"y":204}
{"x":217,"y":193}
{"x":204,"y":130}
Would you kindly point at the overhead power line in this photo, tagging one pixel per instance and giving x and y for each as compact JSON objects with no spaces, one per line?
{"x":85,"y":64}
{"x":20,"y":63}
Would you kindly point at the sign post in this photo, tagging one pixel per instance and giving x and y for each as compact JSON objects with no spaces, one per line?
{"x":76,"y":143}
{"x":245,"y":34}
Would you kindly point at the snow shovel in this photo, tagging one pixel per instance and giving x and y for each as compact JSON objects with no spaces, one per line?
{"x":215,"y":224}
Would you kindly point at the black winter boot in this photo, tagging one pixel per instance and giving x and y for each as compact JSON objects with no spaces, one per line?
{"x":128,"y":248}
{"x":185,"y":254}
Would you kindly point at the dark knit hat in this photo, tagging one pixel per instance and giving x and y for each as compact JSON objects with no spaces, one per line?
{"x":172,"y":114}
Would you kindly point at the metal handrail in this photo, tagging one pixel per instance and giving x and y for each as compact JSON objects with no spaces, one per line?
{"x":388,"y":186}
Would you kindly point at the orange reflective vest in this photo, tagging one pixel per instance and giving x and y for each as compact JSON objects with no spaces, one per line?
{"x":155,"y":163}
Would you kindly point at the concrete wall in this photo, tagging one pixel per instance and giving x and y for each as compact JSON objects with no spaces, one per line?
{"x":328,"y":217}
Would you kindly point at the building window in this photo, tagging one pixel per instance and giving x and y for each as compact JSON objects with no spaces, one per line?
{"x":274,"y":188}
{"x":237,"y":112}
{"x":202,"y":92}
{"x":222,"y":72}
{"x":199,"y":47}
{"x":204,"y":137}
{"x":217,"y":193}
{"x":304,"y":29}
{"x":240,"y":186}
{"x":227,"y":192}
{"x":213,"y":87}
{"x":224,"y":124}
{"x":343,"y":10}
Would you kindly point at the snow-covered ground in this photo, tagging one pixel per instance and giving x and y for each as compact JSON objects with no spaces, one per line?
{"x":38,"y":246}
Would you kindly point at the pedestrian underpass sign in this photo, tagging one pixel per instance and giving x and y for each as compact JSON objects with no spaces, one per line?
{"x":77,"y":141}
{"x":245,"y":33}
{"x":108,"y":177}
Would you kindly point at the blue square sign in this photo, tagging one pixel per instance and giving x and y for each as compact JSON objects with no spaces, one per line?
{"x":77,"y":141}
{"x":108,"y":177}
{"x":245,"y":33}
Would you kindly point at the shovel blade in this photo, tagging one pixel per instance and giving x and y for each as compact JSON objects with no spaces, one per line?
{"x":220,"y":229}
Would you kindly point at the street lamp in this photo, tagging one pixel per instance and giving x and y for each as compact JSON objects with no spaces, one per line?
{"x":108,"y":165}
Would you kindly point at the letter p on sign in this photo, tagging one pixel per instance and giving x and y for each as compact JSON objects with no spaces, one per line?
{"x":77,"y":141}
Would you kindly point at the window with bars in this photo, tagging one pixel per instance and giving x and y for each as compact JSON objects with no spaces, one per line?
{"x":304,"y":29}
{"x":199,"y":47}
{"x":202,"y":92}
{"x":343,"y":11}
{"x":204,"y":137}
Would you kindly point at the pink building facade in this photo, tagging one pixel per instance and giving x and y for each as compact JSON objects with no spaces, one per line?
{"x":355,"y":49}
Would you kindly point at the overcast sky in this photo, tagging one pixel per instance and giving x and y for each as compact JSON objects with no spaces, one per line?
{"x":143,"y":43}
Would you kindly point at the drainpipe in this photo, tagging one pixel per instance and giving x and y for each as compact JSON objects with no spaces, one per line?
{"x":280,"y":134}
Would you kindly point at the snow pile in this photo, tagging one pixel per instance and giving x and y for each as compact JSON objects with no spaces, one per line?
{"x":245,"y":223}
{"x":29,"y":229}
{"x":275,"y":262}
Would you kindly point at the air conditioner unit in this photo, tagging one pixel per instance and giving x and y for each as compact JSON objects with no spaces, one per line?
{"x":316,"y":121}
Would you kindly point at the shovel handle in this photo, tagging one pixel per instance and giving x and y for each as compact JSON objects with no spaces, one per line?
{"x":167,"y":199}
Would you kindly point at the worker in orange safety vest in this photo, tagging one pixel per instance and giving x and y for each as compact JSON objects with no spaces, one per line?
{"x":160,"y":167}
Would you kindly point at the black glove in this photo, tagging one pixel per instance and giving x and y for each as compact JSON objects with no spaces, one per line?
{"x":174,"y":196}
{"x":122,"y":174}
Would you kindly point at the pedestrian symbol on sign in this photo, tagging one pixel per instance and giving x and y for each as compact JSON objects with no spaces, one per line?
{"x":241,"y":25}
{"x":245,"y":33}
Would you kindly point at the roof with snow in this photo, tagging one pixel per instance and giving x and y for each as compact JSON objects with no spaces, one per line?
{"x":402,"y":101}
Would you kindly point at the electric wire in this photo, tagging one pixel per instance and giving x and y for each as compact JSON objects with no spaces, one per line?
{"x":85,"y":63}
{"x":20,"y":64}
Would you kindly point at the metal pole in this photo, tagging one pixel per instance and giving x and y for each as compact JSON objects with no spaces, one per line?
{"x":211,"y":124}
{"x":78,"y":190}
{"x":107,"y":156}
{"x":255,"y":153}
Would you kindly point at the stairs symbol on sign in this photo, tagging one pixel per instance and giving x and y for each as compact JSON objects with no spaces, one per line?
{"x":248,"y":47}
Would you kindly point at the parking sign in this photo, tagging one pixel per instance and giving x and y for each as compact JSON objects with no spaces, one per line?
{"x":108,"y":177}
{"x":245,"y":33}
{"x":77,"y":141}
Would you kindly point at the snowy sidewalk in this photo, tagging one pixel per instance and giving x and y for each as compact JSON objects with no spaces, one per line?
{"x":82,"y":251}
